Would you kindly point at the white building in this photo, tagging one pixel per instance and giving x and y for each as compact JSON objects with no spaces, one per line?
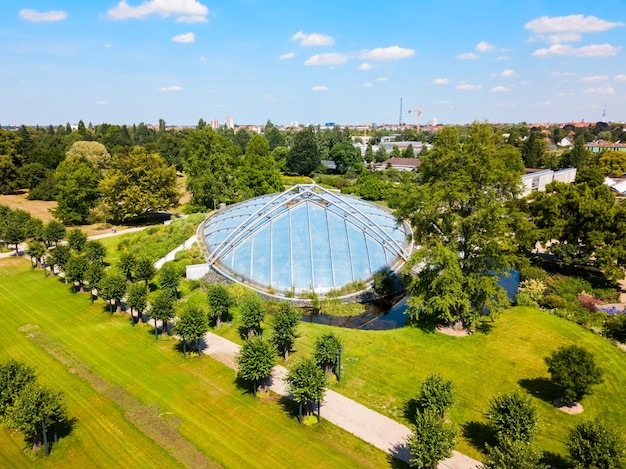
{"x":230,"y":123}
{"x":214,"y":123}
{"x":538,"y":179}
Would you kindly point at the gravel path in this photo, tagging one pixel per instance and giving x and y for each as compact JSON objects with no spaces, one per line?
{"x":370,"y":426}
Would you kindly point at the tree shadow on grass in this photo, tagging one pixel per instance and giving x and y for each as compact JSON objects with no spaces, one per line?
{"x":399,"y":454}
{"x":541,"y":388}
{"x":554,"y":460}
{"x":60,"y":430}
{"x":410,"y":409}
{"x":479,"y":434}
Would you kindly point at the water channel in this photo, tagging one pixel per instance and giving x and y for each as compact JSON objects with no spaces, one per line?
{"x":383,"y":315}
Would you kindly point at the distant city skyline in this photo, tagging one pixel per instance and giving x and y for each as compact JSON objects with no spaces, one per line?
{"x":134,"y":61}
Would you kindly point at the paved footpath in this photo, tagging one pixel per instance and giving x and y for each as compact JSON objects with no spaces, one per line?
{"x":370,"y":426}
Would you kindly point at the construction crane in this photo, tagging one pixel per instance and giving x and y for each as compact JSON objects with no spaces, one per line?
{"x":420,"y":110}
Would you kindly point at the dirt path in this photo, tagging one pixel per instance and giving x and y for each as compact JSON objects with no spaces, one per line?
{"x":372,"y":427}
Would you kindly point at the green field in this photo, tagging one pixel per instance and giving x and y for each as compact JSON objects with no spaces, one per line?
{"x":383,"y":369}
{"x":137,"y":403}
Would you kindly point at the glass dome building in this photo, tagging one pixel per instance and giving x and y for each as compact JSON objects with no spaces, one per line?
{"x":302,"y":240}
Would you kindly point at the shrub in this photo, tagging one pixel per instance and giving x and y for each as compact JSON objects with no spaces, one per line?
{"x":553,"y":302}
{"x":606,"y":295}
{"x":574,"y":370}
{"x":524,"y":299}
{"x":533,"y":272}
{"x":615,"y":327}
{"x":533,"y":288}
{"x":570,"y":287}
{"x":587,"y":301}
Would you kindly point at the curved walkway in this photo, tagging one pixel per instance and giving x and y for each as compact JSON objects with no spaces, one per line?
{"x":372,"y":427}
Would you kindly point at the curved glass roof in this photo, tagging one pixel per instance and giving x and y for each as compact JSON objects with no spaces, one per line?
{"x":305,"y":239}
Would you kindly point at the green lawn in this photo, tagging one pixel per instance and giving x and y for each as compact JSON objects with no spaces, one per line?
{"x":138,"y":403}
{"x":382,"y":369}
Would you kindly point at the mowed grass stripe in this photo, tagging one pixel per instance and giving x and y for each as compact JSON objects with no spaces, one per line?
{"x":221,"y":420}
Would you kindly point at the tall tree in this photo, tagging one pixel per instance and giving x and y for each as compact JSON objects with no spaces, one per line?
{"x":36,"y":251}
{"x":191,"y":326}
{"x":461,"y":218}
{"x":144,"y":270}
{"x":435,"y":394}
{"x":162,"y":309}
{"x":594,"y":444}
{"x":15,"y":228}
{"x":258,"y":173}
{"x":53,"y":232}
{"x":219,"y":300}
{"x":284,"y":325}
{"x":327,"y":349}
{"x":137,"y":300}
{"x":95,"y":152}
{"x":76,"y":270}
{"x":126,"y":264}
{"x":77,"y":185}
{"x":252,"y":314}
{"x":95,"y":251}
{"x":168,"y":278}
{"x":76,"y":239}
{"x":432,"y":440}
{"x":346,"y":157}
{"x":208,"y":159}
{"x":113,"y":287}
{"x":513,"y":417}
{"x":574,"y":370}
{"x":138,"y":183}
{"x":255,"y":360}
{"x":35,"y":405}
{"x":304,"y":155}
{"x":306,"y":382}
{"x":14,"y":375}
{"x":58,"y":257}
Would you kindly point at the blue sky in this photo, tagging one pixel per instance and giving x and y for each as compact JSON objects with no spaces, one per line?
{"x":311,"y":62}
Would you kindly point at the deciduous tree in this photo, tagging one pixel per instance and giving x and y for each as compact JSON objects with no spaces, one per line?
{"x":432,"y":440}
{"x":219,"y":300}
{"x":306,"y":382}
{"x":594,"y":444}
{"x":304,"y":155}
{"x":284,"y":325}
{"x":191,"y":326}
{"x":113,"y":287}
{"x":255,"y":360}
{"x":77,"y":185}
{"x":327,"y":349}
{"x":137,"y":300}
{"x":574,"y":370}
{"x":162,"y":309}
{"x":252,"y":314}
{"x":513,"y":417}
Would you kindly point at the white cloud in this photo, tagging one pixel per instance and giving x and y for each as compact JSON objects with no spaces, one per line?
{"x":319,"y":88}
{"x":101,"y":102}
{"x":366,"y":66}
{"x":42,"y":16}
{"x":171,"y":88}
{"x":186,"y":11}
{"x":387,"y":53}
{"x":594,"y":78}
{"x":108,"y":45}
{"x":269,"y":97}
{"x":185,"y":38}
{"x":468,"y":87}
{"x":507,"y":73}
{"x":288,"y":55}
{"x":556,"y":73}
{"x":594,"y":50}
{"x":602,"y":90}
{"x":367,"y":85}
{"x":313,"y":39}
{"x":485,"y":47}
{"x":467,"y":56}
{"x":441,"y":81}
{"x":499,"y":89}
{"x":545,"y":103}
{"x":381,"y":79}
{"x":332,"y":58}
{"x":202,"y":58}
{"x":570,"y":24}
{"x":619,"y":78}
{"x":564,"y":37}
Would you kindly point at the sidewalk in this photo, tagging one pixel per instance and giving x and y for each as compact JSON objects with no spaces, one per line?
{"x":372,"y":427}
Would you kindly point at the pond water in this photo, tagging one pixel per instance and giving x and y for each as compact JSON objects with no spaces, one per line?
{"x":390,"y":314}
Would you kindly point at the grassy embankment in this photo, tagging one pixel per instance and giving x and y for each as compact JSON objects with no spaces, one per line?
{"x":138,"y":403}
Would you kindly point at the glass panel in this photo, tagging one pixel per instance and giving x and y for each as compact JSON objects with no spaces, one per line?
{"x":342,"y":268}
{"x":377,"y":255}
{"x":241,"y":259}
{"x":261,"y":257}
{"x":322,"y":268}
{"x":358,"y":250}
{"x":281,"y":258}
{"x":300,"y":245}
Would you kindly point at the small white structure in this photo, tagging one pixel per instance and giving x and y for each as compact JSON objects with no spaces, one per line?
{"x":538,"y":179}
{"x":616,"y":185}
{"x":197,"y":271}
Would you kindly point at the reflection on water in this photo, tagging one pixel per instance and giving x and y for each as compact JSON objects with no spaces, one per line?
{"x":382,"y":315}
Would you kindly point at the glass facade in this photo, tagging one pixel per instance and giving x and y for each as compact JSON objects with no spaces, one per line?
{"x":305,"y":239}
